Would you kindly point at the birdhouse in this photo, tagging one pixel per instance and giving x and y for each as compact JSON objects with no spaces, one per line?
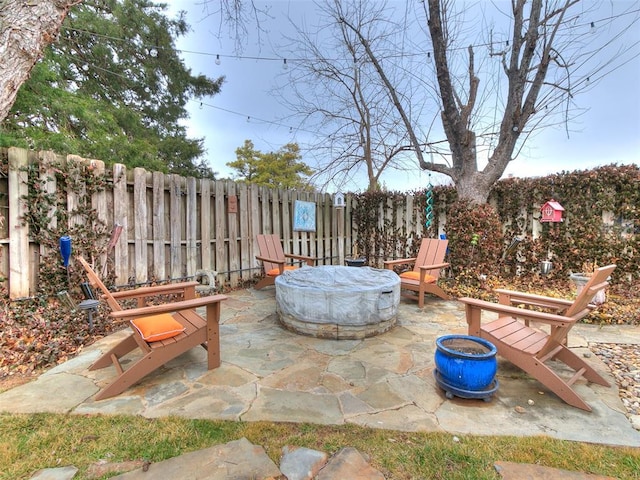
{"x":338,"y":200}
{"x":551,"y":212}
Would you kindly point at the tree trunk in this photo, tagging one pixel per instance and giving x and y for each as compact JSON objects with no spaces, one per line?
{"x":26,"y":28}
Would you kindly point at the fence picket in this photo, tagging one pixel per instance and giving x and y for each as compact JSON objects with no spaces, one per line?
{"x":159,"y":227}
{"x":120,"y":213}
{"x":175,"y":228}
{"x":140,"y":223}
{"x":191,"y":227}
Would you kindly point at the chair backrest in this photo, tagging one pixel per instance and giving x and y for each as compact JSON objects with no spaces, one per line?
{"x":432,"y":252}
{"x":597,"y":282}
{"x":270,"y":247}
{"x":579,"y":308}
{"x":97,"y":284}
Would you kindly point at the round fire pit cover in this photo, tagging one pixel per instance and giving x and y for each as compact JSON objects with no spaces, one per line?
{"x":338,"y":302}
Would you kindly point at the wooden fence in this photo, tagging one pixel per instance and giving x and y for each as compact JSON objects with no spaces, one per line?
{"x":172,"y":226}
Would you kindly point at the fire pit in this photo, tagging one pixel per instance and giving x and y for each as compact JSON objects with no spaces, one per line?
{"x":338,"y":302}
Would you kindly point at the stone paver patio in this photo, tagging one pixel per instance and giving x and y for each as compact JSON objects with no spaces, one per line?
{"x":269,"y":373}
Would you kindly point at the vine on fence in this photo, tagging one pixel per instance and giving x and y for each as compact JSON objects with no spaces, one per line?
{"x":49,"y":218}
{"x":583,"y":235}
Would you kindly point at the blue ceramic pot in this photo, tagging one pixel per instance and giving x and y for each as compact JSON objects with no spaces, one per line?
{"x":466,"y":362}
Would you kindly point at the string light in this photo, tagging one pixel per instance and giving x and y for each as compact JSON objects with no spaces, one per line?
{"x":284,"y":64}
{"x":404,"y":54}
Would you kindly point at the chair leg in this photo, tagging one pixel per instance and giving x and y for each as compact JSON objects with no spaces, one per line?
{"x":572,"y":360}
{"x":125,"y":346}
{"x":213,"y":336}
{"x":146,"y":364}
{"x":553,"y":382}
{"x":436,"y":290}
{"x":264,"y":282}
{"x":131,"y":375}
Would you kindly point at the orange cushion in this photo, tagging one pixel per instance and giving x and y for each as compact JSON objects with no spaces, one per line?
{"x":416,"y":276}
{"x":157,"y":327}
{"x":274,"y":272}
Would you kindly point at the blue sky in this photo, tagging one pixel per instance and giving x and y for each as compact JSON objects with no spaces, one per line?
{"x":607,"y":132}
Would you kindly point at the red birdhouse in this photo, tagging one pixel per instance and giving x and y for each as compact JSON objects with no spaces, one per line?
{"x":551,"y":212}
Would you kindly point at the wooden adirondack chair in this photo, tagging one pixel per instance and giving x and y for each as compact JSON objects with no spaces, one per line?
{"x":531,"y":348}
{"x":155,"y":331}
{"x":274,"y":260}
{"x":426,"y":270}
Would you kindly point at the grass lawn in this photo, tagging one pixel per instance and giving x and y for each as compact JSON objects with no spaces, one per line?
{"x":32,"y":442}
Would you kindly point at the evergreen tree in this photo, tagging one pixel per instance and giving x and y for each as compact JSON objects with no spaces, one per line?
{"x":113,"y":87}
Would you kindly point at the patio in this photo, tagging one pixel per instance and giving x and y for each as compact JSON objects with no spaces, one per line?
{"x":386,"y":381}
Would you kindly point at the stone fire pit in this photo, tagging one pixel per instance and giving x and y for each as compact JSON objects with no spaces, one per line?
{"x":338,"y":302}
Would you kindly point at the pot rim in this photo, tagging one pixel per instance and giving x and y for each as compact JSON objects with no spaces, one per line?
{"x":485,"y":343}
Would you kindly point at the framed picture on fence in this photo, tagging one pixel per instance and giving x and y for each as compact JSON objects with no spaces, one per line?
{"x":304,"y":216}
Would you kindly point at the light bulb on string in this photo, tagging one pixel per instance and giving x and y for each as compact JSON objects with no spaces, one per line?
{"x":217,"y":59}
{"x":284,"y":64}
{"x":428,"y":57}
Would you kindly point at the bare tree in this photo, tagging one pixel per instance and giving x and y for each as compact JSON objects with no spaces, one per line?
{"x":26,"y":28}
{"x":333,"y":88}
{"x":549,"y":56}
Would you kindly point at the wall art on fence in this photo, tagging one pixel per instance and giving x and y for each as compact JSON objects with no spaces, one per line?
{"x":304,"y":216}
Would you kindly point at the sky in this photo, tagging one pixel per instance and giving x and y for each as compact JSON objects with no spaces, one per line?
{"x":608,"y":131}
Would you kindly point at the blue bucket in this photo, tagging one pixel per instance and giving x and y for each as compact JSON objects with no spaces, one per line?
{"x":466,"y":362}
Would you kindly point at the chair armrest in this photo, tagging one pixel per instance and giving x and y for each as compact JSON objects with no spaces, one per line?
{"x":168,"y":307}
{"x":390,"y":263}
{"x":510,"y":297}
{"x":270,"y":260}
{"x":433,"y":267}
{"x":474,"y":305}
{"x":155,"y":290}
{"x":310,"y":260}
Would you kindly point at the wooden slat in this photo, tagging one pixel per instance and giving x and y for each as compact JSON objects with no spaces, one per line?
{"x":205,"y":223}
{"x":191,"y":218}
{"x":321,"y":234}
{"x":409,"y":217}
{"x":19,"y":271}
{"x":255,"y":227}
{"x":48,"y":161}
{"x":287,"y":222}
{"x":234,"y":251}
{"x":246,"y":261}
{"x":220,"y":229}
{"x":121,"y":216}
{"x":276,"y":224}
{"x":175,"y":222}
{"x":99,"y":200}
{"x":159,"y":227}
{"x":140,"y":219}
{"x":73,"y":196}
{"x":265,"y":197}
